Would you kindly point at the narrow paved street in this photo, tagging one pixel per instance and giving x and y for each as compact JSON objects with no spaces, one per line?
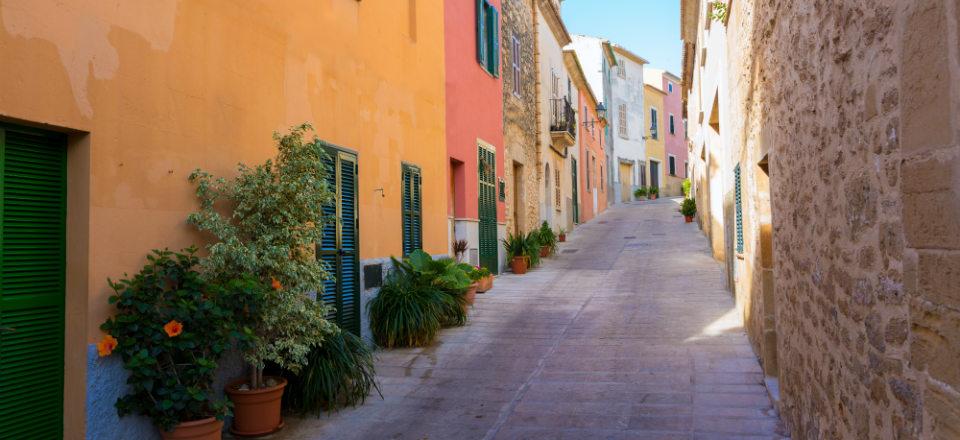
{"x":627,"y":334}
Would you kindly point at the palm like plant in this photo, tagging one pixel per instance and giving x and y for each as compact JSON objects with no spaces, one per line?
{"x":514,"y":245}
{"x":547,"y":237}
{"x":404,"y":314}
{"x":531,"y":247}
{"x":444,"y":275}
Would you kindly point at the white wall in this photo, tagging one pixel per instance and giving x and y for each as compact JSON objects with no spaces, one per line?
{"x":551,"y":61}
{"x":629,"y":91}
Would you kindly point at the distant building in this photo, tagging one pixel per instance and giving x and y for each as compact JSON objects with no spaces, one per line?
{"x":654,"y":174}
{"x":590,"y":137}
{"x":672,"y":129}
{"x":624,"y":81}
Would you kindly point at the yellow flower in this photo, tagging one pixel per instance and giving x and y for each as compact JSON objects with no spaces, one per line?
{"x":275,"y":283}
{"x":106,"y":345}
{"x":173,"y":328}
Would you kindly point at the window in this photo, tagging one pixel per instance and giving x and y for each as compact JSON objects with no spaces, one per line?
{"x":556,"y":83}
{"x":669,"y":87}
{"x":642,"y":170}
{"x":588,"y":165}
{"x":622,"y":119}
{"x":653,"y":123}
{"x":488,"y":37}
{"x":673,"y":129}
{"x":515,"y":64}
{"x":411,"y":209}
{"x":556,"y":187}
{"x":686,"y":169}
{"x":672,"y":165}
{"x":738,"y":200}
{"x":621,"y":70}
{"x":601,"y":177}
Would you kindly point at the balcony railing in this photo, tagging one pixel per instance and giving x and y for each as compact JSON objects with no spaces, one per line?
{"x":563,"y":119}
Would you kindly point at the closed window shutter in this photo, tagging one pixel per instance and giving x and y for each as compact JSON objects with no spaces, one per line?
{"x":481,"y":33}
{"x":412,"y":210}
{"x":339,"y":248}
{"x":32,"y":282}
{"x":739,"y":207}
{"x":493,"y":29}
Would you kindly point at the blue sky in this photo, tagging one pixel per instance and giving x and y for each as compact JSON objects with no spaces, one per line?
{"x":649,"y":28}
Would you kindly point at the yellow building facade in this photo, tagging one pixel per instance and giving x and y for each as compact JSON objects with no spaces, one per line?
{"x":655,"y":133}
{"x":139,"y":94}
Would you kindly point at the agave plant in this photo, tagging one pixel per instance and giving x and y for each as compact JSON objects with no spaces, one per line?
{"x":339,"y":373}
{"x":404,"y":314}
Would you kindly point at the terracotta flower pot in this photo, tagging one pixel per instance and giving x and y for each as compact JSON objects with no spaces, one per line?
{"x":256,"y":412}
{"x":653,"y":197}
{"x":486,"y":283}
{"x":544,"y":251}
{"x":206,"y":429}
{"x":471,"y":294}
{"x":519,"y":265}
{"x":562,"y":238}
{"x":688,"y":218}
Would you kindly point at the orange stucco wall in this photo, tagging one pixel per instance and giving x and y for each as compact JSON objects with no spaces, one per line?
{"x":155,"y":89}
{"x":592,"y":159}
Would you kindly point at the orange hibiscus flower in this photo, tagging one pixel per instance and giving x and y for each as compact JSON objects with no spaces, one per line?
{"x":106,"y":345}
{"x":275,"y":283}
{"x":173,"y":328}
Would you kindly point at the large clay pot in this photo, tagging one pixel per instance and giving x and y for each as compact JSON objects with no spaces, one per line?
{"x":206,"y":429}
{"x":544,"y":251}
{"x":688,"y":218}
{"x":471,"y":294}
{"x":256,"y":412}
{"x":519,"y":265}
{"x":563,"y":238}
{"x":486,"y":283}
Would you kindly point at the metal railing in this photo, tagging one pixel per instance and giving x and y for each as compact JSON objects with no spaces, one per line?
{"x":563,"y":116}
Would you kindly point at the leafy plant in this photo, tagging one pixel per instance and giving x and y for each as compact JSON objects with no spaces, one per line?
{"x":653,"y":191}
{"x":459,"y":249}
{"x":547,"y":237}
{"x":404,"y":314}
{"x":640,"y":192}
{"x":686,"y":188}
{"x":270,"y":232}
{"x":688,"y":207}
{"x":338,"y":373}
{"x":531,"y":247}
{"x":478,"y":273}
{"x":719,"y":12}
{"x":514,"y":245}
{"x":170,"y":328}
{"x":444,"y":274}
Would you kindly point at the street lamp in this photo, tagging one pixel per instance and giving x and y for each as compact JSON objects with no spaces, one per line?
{"x":601,"y":114}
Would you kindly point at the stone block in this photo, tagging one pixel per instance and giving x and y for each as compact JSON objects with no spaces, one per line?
{"x":930,"y":174}
{"x":935,"y":341}
{"x":926,"y":122}
{"x":938,"y":277}
{"x":942,"y":408}
{"x":932,"y":220}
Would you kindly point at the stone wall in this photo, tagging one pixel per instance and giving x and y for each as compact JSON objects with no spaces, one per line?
{"x":519,"y":116}
{"x":849,"y":278}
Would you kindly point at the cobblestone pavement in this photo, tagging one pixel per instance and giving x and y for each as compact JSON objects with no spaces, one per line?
{"x":627,"y":334}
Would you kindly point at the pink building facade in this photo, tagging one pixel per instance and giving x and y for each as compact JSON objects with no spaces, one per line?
{"x":677,"y":165}
{"x":474,"y":97}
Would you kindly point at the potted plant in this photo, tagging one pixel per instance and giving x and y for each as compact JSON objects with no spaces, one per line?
{"x":531,"y":248}
{"x":688,"y":208}
{"x":270,"y":234}
{"x":460,"y":249}
{"x":404,"y":313}
{"x":485,"y":281}
{"x":443,"y":274}
{"x":562,"y":235}
{"x":171,"y":328}
{"x":548,"y":240}
{"x":653,"y":192}
{"x":640,"y":193}
{"x":514,"y":245}
{"x":477,"y":274}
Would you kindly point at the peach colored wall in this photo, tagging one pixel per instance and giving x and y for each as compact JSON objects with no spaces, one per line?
{"x":166,"y":86}
{"x":474,"y":107}
{"x":591,"y":145}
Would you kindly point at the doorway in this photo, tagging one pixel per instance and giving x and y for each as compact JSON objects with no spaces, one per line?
{"x":576,"y":193}
{"x":518,"y":213}
{"x":626,"y":177}
{"x":489,"y":248}
{"x":339,"y":247}
{"x":655,"y":174}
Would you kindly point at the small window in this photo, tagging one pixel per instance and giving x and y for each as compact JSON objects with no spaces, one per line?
{"x":672,"y":165}
{"x":669,"y":87}
{"x":515,"y":64}
{"x":556,"y":186}
{"x":621,"y":70}
{"x":488,"y":37}
{"x":411,"y":209}
{"x":622,"y":116}
{"x":653,"y":123}
{"x":672,"y":127}
{"x":686,"y":169}
{"x":738,"y":203}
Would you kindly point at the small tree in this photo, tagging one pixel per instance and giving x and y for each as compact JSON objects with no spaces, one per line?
{"x":274,"y":220}
{"x":686,"y":188}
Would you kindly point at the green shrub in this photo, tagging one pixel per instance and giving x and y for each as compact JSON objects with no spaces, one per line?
{"x":171,"y":327}
{"x":514,"y":245}
{"x":640,"y":192}
{"x":444,"y":274}
{"x":338,"y":373}
{"x":404,"y":314}
{"x":686,"y":188}
{"x":531,"y":247}
{"x":270,"y":232}
{"x":653,"y":190}
{"x":547,"y":237}
{"x":688,"y":208}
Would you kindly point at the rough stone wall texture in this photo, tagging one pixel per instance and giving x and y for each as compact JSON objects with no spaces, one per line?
{"x":519,"y":116}
{"x":857,"y":105}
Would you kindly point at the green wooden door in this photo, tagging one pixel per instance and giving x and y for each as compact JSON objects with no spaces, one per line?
{"x":32,"y":282}
{"x":339,"y":249}
{"x":488,"y":209}
{"x":411,"y":205}
{"x":576,"y":194}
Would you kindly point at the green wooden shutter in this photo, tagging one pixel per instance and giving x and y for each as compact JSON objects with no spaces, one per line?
{"x":487,"y":171}
{"x":32,"y":282}
{"x":739,"y":207}
{"x":412,"y":209}
{"x":493,"y":28}
{"x":481,"y":33}
{"x":339,"y":248}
